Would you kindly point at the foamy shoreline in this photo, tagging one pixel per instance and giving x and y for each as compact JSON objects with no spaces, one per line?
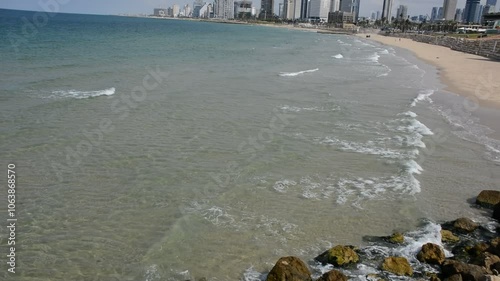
{"x":471,"y":76}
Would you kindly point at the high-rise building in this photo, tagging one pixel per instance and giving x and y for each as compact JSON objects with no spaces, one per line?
{"x":493,"y":4}
{"x":374,"y":16}
{"x":402,"y":12}
{"x":175,"y":10}
{"x":291,"y":9}
{"x":319,"y":9}
{"x":266,"y":9}
{"x":450,"y":8}
{"x":459,"y":15}
{"x":434,"y":13}
{"x":335,"y":6}
{"x":350,"y":6}
{"x":243,"y":9}
{"x":187,"y":11}
{"x":479,"y":14}
{"x":488,"y":9}
{"x":196,"y":8}
{"x":440,"y":14}
{"x":387,"y":10}
{"x":304,"y":9}
{"x":471,"y":11}
{"x":224,"y":9}
{"x":378,"y":15}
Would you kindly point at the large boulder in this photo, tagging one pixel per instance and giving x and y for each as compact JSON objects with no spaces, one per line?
{"x":487,"y":260}
{"x":397,"y":265}
{"x":333,"y":275}
{"x":465,"y":225}
{"x":431,"y":254}
{"x":488,"y":198}
{"x":478,"y":249}
{"x":289,"y":269}
{"x":339,"y":256}
{"x":469,"y":272}
{"x":448,"y":237}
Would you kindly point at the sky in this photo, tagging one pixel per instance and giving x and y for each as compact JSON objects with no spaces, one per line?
{"x":415,"y":7}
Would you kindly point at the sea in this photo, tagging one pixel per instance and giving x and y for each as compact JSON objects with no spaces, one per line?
{"x":161,"y":149}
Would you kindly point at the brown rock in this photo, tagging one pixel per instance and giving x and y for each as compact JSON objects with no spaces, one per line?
{"x":289,"y":269}
{"x":448,"y":237}
{"x":488,"y":198}
{"x":339,"y":256}
{"x":478,"y":249}
{"x":495,"y":246}
{"x":492,"y":278}
{"x":397,"y":265}
{"x":333,"y":275}
{"x":469,"y":272}
{"x":454,"y":277}
{"x":431,"y":253}
{"x":488,"y":261}
{"x":465,"y":225}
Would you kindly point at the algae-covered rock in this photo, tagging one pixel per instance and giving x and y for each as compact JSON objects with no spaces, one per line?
{"x":333,"y":275}
{"x":289,"y":269}
{"x":465,"y":225}
{"x":448,"y":237}
{"x":397,"y":265}
{"x":339,"y":256}
{"x":397,"y":238}
{"x":488,"y":198}
{"x":431,"y":254}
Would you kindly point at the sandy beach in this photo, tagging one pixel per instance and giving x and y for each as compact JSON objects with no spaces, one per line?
{"x":465,"y":74}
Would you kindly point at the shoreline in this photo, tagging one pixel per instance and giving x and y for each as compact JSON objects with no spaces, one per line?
{"x":468,"y":75}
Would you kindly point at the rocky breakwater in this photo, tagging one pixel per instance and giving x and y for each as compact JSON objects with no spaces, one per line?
{"x":483,"y":47}
{"x":456,"y":250}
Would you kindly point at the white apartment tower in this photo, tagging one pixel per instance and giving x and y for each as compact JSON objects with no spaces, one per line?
{"x":224,"y":9}
{"x":387,"y":10}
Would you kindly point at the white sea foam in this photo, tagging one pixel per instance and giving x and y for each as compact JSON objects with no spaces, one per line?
{"x":217,"y":216}
{"x":409,"y":114}
{"x":288,"y":108}
{"x":430,"y":233}
{"x":283,"y":185}
{"x":419,"y":127}
{"x":384,"y":52}
{"x":422,"y":96}
{"x":292,"y":74}
{"x":374,"y":57}
{"x":369,"y":147}
{"x":82,"y":94}
{"x":151,"y":273}
{"x":339,"y":56}
{"x":253,"y":275}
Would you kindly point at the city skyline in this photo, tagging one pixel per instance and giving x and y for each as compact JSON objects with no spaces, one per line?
{"x":423,"y":7}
